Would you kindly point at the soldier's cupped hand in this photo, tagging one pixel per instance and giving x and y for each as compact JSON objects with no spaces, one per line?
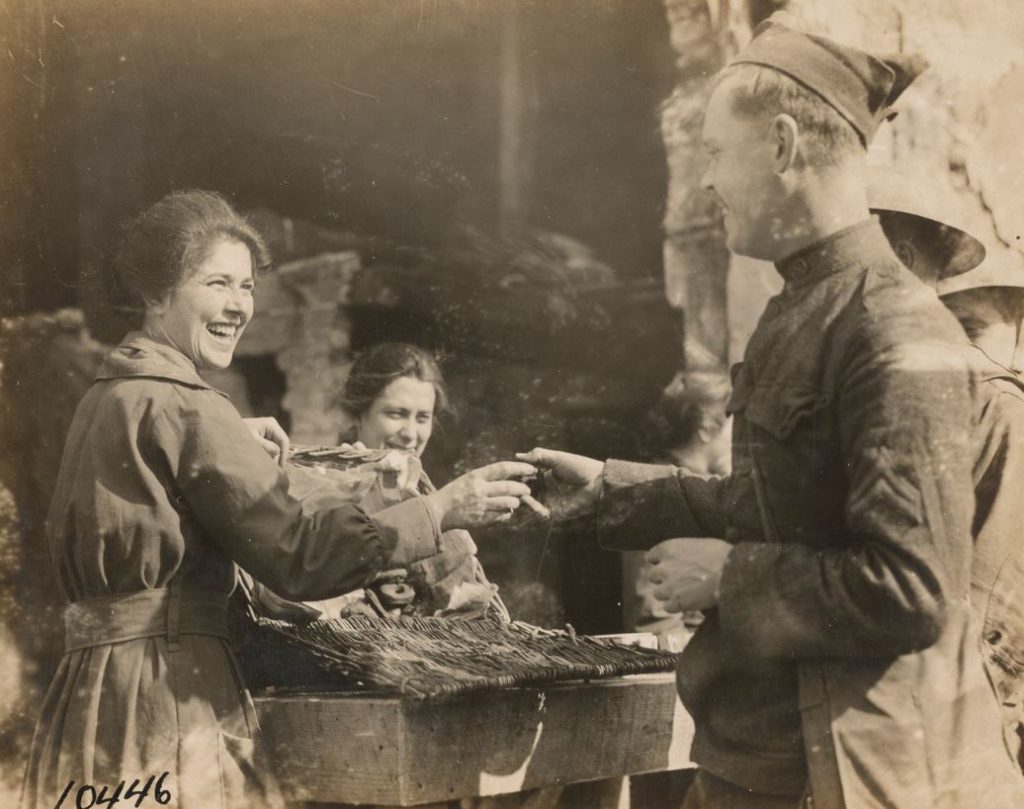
{"x":686,"y":573}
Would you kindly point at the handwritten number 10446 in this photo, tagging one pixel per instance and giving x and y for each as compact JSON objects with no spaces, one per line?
{"x":88,"y":796}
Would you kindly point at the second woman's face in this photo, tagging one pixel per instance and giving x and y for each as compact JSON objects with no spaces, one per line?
{"x":401,"y":417}
{"x":205,"y":314}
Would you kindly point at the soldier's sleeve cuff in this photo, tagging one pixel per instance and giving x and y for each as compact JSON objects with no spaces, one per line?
{"x":640,"y":505}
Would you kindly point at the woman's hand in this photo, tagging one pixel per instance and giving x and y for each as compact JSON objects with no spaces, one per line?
{"x":485,"y":495}
{"x":271,"y":437}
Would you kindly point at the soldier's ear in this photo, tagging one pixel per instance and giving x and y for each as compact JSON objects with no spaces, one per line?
{"x":785,"y":135}
{"x":906,"y":253}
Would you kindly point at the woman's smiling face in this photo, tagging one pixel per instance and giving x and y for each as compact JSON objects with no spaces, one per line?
{"x":401,"y":417}
{"x":205,"y":314}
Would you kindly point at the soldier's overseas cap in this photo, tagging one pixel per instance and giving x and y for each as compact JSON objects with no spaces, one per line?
{"x":859,"y":86}
{"x":894,"y":192}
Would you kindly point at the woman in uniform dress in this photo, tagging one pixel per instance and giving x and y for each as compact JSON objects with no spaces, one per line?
{"x":163,"y":490}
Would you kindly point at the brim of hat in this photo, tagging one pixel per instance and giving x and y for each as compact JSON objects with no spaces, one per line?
{"x":892,"y":191}
{"x":987,"y":277}
{"x":969,"y":252}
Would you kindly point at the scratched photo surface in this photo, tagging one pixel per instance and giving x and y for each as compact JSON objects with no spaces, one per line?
{"x":513,"y":185}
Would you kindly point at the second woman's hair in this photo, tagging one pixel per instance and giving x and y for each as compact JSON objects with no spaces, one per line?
{"x":379,"y":366}
{"x":698,"y":403}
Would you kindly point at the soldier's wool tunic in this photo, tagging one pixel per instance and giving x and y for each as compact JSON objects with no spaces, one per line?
{"x":842,"y":651}
{"x":162,"y":490}
{"x":997,"y":576}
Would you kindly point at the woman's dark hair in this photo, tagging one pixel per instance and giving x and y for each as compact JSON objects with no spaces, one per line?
{"x":379,"y":366}
{"x":699,"y":402}
{"x":168,"y":241}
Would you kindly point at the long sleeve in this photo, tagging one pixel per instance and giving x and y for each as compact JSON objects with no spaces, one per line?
{"x":997,"y":573}
{"x":228,"y":484}
{"x":884,"y":588}
{"x":642,"y":504}
{"x":999,"y":469}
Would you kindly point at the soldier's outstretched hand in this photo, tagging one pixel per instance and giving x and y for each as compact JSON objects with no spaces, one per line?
{"x":572,"y":482}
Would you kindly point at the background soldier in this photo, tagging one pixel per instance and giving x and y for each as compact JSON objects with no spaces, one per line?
{"x":989,"y":303}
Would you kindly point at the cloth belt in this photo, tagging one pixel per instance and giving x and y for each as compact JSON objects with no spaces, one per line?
{"x":162,"y":611}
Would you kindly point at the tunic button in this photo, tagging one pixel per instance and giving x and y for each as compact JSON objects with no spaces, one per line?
{"x":993,"y":637}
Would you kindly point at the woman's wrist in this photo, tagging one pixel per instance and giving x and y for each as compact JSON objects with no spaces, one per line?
{"x":437,"y":503}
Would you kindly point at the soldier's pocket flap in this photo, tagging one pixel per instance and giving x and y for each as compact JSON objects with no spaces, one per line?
{"x":780,"y":410}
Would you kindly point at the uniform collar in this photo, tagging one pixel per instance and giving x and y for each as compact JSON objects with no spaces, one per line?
{"x":861,"y":243}
{"x":989,"y":370}
{"x":140,"y":356}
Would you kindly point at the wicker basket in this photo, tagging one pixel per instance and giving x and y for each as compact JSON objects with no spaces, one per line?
{"x":439,"y":657}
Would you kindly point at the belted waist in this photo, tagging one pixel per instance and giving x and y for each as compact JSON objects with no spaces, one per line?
{"x":162,"y":611}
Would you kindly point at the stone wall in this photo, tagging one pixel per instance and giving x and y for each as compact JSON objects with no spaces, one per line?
{"x":696,"y":261}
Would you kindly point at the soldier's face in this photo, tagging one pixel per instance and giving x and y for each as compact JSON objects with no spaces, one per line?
{"x":988,"y":325}
{"x":740,"y":175}
{"x":919,"y":262}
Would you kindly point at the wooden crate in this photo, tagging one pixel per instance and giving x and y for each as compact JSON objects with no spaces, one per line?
{"x":399,"y":752}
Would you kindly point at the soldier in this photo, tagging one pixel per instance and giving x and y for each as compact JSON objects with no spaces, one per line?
{"x":989,"y":303}
{"x":929,"y":239}
{"x":837,"y":660}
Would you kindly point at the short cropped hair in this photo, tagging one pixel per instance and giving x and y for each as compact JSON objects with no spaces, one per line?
{"x":168,"y":242}
{"x":826,"y":136}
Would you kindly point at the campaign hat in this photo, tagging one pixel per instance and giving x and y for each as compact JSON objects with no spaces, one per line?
{"x":899,"y":194}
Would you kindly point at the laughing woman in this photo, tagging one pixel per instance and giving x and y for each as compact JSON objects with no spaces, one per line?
{"x":163,"y":490}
